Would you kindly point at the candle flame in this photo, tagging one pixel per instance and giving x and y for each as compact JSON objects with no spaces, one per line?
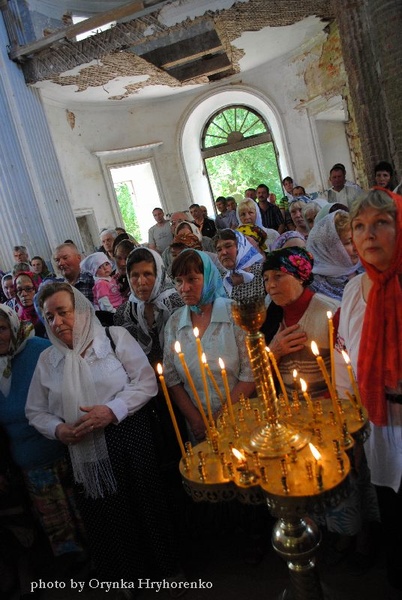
{"x":294,"y":373}
{"x":314,"y":349}
{"x":303,"y":385}
{"x":314,"y":451}
{"x":221,"y":363}
{"x":267,"y":349}
{"x":329,"y":314}
{"x":239,"y":455}
{"x":196,"y":332}
{"x":159,"y":368}
{"x":345,"y":357}
{"x":204,"y":358}
{"x":177,"y":347}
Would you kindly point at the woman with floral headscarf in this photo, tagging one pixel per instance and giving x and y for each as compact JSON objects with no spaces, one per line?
{"x":296,"y":316}
{"x":200,"y":286}
{"x":41,"y":460}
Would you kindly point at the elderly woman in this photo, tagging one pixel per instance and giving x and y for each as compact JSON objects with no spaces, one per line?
{"x":371,"y":330}
{"x":90,"y":392}
{"x":207,"y":308}
{"x":296,"y":316}
{"x":243,"y":264}
{"x":153,"y":299}
{"x":26,"y":286}
{"x":296,"y":214}
{"x":248,"y":213}
{"x":41,"y":460}
{"x":335,"y":258}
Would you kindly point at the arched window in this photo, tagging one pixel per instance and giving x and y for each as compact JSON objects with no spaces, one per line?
{"x":238,"y":151}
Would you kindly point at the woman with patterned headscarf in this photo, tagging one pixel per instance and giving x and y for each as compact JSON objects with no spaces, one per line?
{"x":41,"y":460}
{"x":206,"y":307}
{"x":296,"y":316}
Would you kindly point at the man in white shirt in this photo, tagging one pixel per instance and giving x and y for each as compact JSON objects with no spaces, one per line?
{"x":340,"y":191}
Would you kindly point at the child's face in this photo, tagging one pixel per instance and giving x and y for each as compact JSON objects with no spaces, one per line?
{"x":104,"y":270}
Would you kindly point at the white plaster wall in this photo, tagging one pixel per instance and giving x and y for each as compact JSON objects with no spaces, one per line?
{"x":120,"y":125}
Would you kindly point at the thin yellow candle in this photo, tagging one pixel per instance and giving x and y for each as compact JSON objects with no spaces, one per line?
{"x":187,"y":373}
{"x":171,"y":411}
{"x":227,"y":391}
{"x":278,"y":374}
{"x":331,"y":347}
{"x":306,"y":396}
{"x":352,"y":379}
{"x":319,"y":470}
{"x":321,"y":364}
{"x":295,"y":380}
{"x":203,"y":375}
{"x":212,"y":378}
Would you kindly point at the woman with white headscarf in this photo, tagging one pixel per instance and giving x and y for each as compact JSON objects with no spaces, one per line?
{"x":91,"y":392}
{"x":243,"y":264}
{"x":152,"y":300}
{"x":41,"y":460}
{"x":335,"y":259}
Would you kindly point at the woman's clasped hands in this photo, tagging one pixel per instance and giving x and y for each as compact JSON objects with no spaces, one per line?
{"x":95,"y":417}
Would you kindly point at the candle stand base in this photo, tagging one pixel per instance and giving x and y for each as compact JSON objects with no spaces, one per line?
{"x":296,"y":540}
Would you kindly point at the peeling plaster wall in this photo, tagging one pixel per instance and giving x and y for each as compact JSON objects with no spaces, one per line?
{"x":290,"y":84}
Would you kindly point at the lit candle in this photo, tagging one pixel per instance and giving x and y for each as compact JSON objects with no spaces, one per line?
{"x":352,"y":378}
{"x":321,"y":364}
{"x":295,"y":381}
{"x":187,"y":373}
{"x":331,"y":347}
{"x":203,"y":375}
{"x":203,"y":367}
{"x":243,"y":464}
{"x":227,"y":391}
{"x":212,"y":378}
{"x":306,"y":396}
{"x":279,"y":376}
{"x":170,"y":407}
{"x":319,"y":468}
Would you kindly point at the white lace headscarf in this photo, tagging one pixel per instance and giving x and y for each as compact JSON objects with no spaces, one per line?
{"x":21,"y":331}
{"x":90,"y":459}
{"x":163,"y":288}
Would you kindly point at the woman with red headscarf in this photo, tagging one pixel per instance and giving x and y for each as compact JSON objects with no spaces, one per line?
{"x":371,"y":331}
{"x":26,"y":285}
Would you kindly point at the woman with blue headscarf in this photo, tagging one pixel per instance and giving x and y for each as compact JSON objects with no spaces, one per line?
{"x":206,"y":307}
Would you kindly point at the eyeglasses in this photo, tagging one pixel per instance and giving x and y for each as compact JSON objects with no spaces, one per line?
{"x":28,"y":289}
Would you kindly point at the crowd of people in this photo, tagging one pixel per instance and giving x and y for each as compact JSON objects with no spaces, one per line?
{"x":82,"y":416}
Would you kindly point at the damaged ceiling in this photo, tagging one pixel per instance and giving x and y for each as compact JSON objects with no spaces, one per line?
{"x":155,"y":48}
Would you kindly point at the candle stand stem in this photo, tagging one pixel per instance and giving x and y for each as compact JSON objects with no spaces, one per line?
{"x":296,"y":540}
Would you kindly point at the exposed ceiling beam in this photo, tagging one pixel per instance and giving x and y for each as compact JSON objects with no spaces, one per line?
{"x":132,"y":9}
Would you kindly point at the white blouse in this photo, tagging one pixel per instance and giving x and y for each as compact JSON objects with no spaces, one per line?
{"x":384,"y":446}
{"x":124,"y":380}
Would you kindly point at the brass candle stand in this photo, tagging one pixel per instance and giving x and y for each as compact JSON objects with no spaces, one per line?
{"x":291,"y":455}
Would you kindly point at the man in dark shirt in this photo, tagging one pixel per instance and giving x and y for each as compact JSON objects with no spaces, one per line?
{"x":270,"y":213}
{"x":67,"y":259}
{"x":205,"y":225}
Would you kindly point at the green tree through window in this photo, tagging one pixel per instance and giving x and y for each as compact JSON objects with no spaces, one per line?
{"x":127,"y":210}
{"x":239,"y":152}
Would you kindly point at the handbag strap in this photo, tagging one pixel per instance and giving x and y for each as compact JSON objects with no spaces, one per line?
{"x":109,"y":335}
